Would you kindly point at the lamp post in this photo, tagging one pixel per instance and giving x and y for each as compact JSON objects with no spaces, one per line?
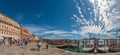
{"x":78,"y":46}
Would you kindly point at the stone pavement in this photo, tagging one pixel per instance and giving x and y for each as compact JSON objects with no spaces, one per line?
{"x":31,"y":50}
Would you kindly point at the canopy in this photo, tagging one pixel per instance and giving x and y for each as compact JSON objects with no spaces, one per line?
{"x":1,"y":38}
{"x":16,"y":38}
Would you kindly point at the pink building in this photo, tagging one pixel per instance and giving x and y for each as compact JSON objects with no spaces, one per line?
{"x":25,"y":33}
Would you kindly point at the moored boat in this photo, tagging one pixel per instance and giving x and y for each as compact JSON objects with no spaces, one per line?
{"x":115,"y":48}
{"x":102,"y":47}
{"x":88,"y":46}
{"x":88,"y":49}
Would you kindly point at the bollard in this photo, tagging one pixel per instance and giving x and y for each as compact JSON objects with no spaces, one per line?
{"x":46,"y":46}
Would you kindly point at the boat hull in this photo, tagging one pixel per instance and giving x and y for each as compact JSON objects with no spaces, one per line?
{"x":114,"y":50}
{"x":88,"y":50}
{"x":103,"y":50}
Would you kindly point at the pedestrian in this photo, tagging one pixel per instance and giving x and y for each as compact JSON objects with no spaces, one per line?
{"x":38,"y":45}
{"x":26,"y":43}
{"x":10,"y":42}
{"x":46,"y":46}
{"x":1,"y":40}
{"x":21,"y":43}
{"x":6,"y":42}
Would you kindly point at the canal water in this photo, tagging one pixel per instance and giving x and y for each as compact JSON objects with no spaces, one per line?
{"x":72,"y":49}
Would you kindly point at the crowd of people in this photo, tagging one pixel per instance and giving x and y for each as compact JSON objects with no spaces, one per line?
{"x":21,"y":42}
{"x":9,"y":42}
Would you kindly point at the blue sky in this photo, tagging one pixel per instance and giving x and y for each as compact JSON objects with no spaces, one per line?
{"x":40,"y":12}
{"x":71,"y":19}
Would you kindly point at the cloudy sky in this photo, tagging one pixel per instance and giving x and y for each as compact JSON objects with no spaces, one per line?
{"x":71,"y":19}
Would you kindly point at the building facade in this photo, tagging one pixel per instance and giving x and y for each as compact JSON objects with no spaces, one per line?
{"x":34,"y":37}
{"x":26,"y":34}
{"x":9,"y":28}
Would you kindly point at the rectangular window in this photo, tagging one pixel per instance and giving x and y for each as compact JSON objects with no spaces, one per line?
{"x":0,"y":26}
{"x":2,"y":32}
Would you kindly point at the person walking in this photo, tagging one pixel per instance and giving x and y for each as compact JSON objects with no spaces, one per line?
{"x":1,"y":40}
{"x":47,"y":46}
{"x":11,"y":42}
{"x":21,"y":43}
{"x":6,"y":42}
{"x":26,"y":43}
{"x":38,"y":45}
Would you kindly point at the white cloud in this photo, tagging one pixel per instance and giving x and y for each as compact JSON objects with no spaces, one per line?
{"x":46,"y":30}
{"x":55,"y":32}
{"x":90,"y":29}
{"x":66,"y":35}
{"x":35,"y":28}
{"x":118,"y":33}
{"x":74,"y":31}
{"x":38,"y":15}
{"x":106,"y":14}
{"x":19,"y":16}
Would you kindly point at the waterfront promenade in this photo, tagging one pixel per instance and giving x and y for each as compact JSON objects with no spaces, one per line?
{"x":31,"y":50}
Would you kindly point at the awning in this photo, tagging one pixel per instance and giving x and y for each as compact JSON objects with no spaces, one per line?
{"x":16,"y":38}
{"x":1,"y":38}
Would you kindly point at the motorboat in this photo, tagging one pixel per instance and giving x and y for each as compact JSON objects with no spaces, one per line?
{"x":102,"y":47}
{"x":88,"y":46}
{"x":88,"y":49}
{"x":115,"y":48}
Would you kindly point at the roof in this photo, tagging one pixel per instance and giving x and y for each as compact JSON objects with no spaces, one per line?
{"x":8,"y":18}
